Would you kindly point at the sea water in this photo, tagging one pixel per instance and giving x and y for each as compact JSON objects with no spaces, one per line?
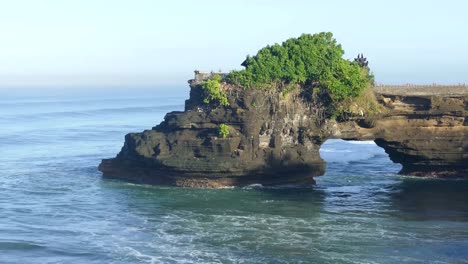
{"x":56,"y":208}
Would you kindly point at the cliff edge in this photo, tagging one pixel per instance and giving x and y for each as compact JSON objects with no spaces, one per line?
{"x":265,"y":124}
{"x":274,"y":138}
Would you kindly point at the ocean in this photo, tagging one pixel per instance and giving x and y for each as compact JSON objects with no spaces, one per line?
{"x":56,"y":208}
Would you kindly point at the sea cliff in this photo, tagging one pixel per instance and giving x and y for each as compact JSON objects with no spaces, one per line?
{"x":274,"y":138}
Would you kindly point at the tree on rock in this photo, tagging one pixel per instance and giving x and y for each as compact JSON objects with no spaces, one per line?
{"x":310,"y":61}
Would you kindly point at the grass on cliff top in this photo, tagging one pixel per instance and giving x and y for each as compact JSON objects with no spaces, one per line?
{"x":363,"y":105}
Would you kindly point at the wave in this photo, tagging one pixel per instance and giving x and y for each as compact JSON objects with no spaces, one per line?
{"x":19,"y":245}
{"x":361,"y":142}
{"x":92,"y":112}
{"x":40,"y":101}
{"x":333,"y":150}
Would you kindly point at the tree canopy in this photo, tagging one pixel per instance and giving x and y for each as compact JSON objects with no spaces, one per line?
{"x":310,"y":60}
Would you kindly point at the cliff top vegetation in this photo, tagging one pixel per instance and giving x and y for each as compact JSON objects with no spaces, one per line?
{"x":313,"y":63}
{"x":310,"y":61}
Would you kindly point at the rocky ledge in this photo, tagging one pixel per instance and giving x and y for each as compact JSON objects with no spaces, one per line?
{"x":275,"y":139}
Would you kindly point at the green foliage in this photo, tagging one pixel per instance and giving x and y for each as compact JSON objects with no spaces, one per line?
{"x":213,"y":92}
{"x":315,"y":60}
{"x":288,"y":89}
{"x":364,"y":104}
{"x":216,"y":77}
{"x":223,"y":130}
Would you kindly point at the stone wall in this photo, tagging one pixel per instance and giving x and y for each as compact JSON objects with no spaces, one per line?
{"x":203,"y":76}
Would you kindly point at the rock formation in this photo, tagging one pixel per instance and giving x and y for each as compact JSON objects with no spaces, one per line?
{"x":274,"y":138}
{"x":424,"y":130}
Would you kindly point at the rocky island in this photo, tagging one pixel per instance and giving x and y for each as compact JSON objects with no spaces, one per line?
{"x":266,"y":123}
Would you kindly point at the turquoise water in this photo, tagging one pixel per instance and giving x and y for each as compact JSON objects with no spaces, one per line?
{"x":56,"y":208}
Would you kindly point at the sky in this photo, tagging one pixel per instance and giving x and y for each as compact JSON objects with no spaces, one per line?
{"x":78,"y":43}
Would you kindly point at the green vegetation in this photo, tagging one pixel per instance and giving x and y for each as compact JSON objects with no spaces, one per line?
{"x":364,"y":104}
{"x":308,"y":61}
{"x":213,"y":92}
{"x":288,"y":89}
{"x":223,"y":130}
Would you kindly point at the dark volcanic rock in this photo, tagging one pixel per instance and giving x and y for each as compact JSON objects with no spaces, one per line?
{"x":268,"y":139}
{"x":275,"y":139}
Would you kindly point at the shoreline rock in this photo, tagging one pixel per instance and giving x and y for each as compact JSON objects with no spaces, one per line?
{"x":275,"y":139}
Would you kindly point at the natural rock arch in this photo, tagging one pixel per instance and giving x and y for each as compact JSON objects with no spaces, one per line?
{"x":275,"y":139}
{"x":349,"y":155}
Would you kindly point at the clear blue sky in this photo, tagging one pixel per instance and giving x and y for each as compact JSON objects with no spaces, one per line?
{"x":149,"y":42}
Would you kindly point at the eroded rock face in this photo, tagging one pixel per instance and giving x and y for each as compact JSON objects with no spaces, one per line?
{"x":275,"y":139}
{"x":427,"y":134}
{"x":270,"y":137}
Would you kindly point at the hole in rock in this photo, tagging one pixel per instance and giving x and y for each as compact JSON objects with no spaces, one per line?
{"x":356,"y":158}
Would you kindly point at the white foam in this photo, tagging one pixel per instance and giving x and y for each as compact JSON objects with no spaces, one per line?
{"x":332,"y":150}
{"x":361,"y":142}
{"x":254,"y":185}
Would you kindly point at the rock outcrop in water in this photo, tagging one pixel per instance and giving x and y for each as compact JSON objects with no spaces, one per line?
{"x":423,"y":129}
{"x":274,"y":139}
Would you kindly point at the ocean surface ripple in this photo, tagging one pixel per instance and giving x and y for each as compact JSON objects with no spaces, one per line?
{"x":56,"y":208}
